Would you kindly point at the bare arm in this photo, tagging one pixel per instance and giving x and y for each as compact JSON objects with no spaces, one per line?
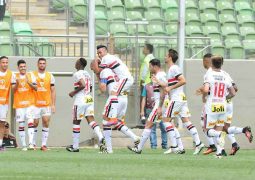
{"x":143,"y":105}
{"x":232,"y":92}
{"x":53,"y":98}
{"x":81,"y":87}
{"x":181,"y":82}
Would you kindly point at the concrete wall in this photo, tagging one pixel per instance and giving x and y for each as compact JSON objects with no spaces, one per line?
{"x":61,"y":124}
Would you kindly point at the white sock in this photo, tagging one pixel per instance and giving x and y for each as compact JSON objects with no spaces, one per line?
{"x":145,"y":135}
{"x":178,"y":139}
{"x":235,"y":130}
{"x":125,"y":130}
{"x":210,"y":140}
{"x":213,"y":133}
{"x":45,"y":135}
{"x":108,"y":138}
{"x":76,"y":136}
{"x":35,"y":136}
{"x":30,"y":131}
{"x":22,"y":134}
{"x":97,"y":130}
{"x":193,"y":131}
{"x":232,"y":138}
{"x":216,"y":141}
{"x":1,"y":142}
{"x":171,"y":133}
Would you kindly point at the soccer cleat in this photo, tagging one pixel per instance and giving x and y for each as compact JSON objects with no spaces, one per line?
{"x":137,"y":141}
{"x":169,"y":151}
{"x":199,"y":148}
{"x":102,"y":147}
{"x":219,"y":156}
{"x":24,"y":149}
{"x":223,"y":152}
{"x":234,"y":150}
{"x":209,"y":150}
{"x":71,"y":149}
{"x":172,"y":149}
{"x":180,"y":152}
{"x":248,"y":134}
{"x":2,"y":148}
{"x":31,"y":147}
{"x":222,"y":139}
{"x":135,"y":150}
{"x":44,"y":148}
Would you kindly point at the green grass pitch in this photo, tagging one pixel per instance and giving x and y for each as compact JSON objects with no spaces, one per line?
{"x":123,"y":164}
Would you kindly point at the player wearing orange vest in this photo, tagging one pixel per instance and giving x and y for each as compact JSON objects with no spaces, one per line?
{"x":45,"y":98}
{"x":24,"y":103}
{"x":7,"y":78}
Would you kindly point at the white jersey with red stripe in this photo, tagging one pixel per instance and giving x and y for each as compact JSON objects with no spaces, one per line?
{"x":116,"y":65}
{"x":83,"y":96}
{"x":216,"y":99}
{"x":108,"y":77}
{"x":176,"y":94}
{"x":160,"y":76}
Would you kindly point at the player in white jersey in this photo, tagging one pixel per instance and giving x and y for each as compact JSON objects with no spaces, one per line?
{"x":216,"y":87}
{"x":115,"y":107}
{"x":118,"y":67}
{"x":159,"y":82}
{"x":83,"y":105}
{"x":178,"y":106}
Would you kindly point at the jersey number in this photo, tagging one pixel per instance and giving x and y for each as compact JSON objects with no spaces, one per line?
{"x":219,"y":89}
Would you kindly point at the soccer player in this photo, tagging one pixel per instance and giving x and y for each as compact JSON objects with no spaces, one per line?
{"x":159,"y":82}
{"x":24,"y":103}
{"x":115,"y":108}
{"x":45,"y":99}
{"x":83,"y":105}
{"x":118,"y":67}
{"x":178,"y":103}
{"x":216,"y":87}
{"x":7,"y":78}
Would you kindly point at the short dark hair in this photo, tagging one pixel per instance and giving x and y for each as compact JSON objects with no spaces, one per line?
{"x":21,"y":61}
{"x":101,"y":46}
{"x":217,"y":61}
{"x":149,"y":47}
{"x":83,"y":62}
{"x":208,"y":55}
{"x":155,"y":62}
{"x":41,"y":59}
{"x":3,"y":57}
{"x":173,"y":54}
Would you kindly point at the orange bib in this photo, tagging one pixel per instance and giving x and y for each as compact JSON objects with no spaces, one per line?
{"x":5,"y":85}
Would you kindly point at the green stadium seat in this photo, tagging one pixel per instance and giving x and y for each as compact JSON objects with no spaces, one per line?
{"x":208,"y":17}
{"x":117,"y":13}
{"x":158,"y":41}
{"x":6,"y":47}
{"x":117,"y":28}
{"x":22,"y":28}
{"x":172,"y":29}
{"x":153,"y":14}
{"x":7,"y":17}
{"x":248,"y":24}
{"x":25,"y":46}
{"x":133,"y":4}
{"x":78,"y":11}
{"x":237,"y":52}
{"x":229,"y":28}
{"x":141,"y":29}
{"x":160,"y":52}
{"x":225,"y":18}
{"x":191,"y":4}
{"x":169,"y":4}
{"x":206,"y":5}
{"x":242,"y":5}
{"x":246,"y":30}
{"x":5,"y":29}
{"x":229,"y":43}
{"x":225,"y":7}
{"x":156,"y":29}
{"x":151,"y":4}
{"x":210,"y":30}
{"x":193,"y":18}
{"x":193,"y":30}
{"x":218,"y":50}
{"x":100,"y":3}
{"x":100,"y":13}
{"x":44,"y":47}
{"x":114,"y":3}
{"x":134,"y":15}
{"x":250,"y":36}
{"x":243,"y":18}
{"x":102,"y":27}
{"x":59,"y":4}
{"x":249,"y":44}
{"x":171,"y":15}
{"x":216,"y":39}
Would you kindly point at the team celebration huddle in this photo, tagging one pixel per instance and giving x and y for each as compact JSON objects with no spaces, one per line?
{"x":35,"y":96}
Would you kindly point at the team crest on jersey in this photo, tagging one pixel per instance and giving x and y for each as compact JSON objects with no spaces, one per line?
{"x":2,"y":81}
{"x":41,"y":84}
{"x":23,"y":84}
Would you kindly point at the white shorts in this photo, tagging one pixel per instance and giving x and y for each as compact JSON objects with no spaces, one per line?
{"x":212,"y":120}
{"x":3,"y":112}
{"x":124,"y":84}
{"x":23,"y":114}
{"x":164,"y":107}
{"x":154,"y":113}
{"x":42,"y":111}
{"x":229,"y":113}
{"x":177,"y":108}
{"x":81,"y":111}
{"x":122,"y":107}
{"x":110,"y":108}
{"x":203,"y":116}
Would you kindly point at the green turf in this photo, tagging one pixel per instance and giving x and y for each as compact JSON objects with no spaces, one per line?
{"x":123,"y":164}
